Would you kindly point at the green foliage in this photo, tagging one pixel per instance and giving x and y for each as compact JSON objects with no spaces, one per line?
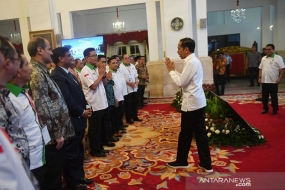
{"x":221,"y":129}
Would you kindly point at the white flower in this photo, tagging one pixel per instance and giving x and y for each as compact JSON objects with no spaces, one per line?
{"x":209,"y":134}
{"x":223,"y":131}
{"x":213,"y":124}
{"x":212,"y":129}
{"x":227,"y":131}
{"x":206,"y":119}
{"x":262,"y":136}
{"x":217,"y":131}
{"x":207,"y":127}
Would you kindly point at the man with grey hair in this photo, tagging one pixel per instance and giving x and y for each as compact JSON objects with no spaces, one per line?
{"x":52,"y":109}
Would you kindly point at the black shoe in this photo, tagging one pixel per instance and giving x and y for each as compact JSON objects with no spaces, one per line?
{"x":85,"y":181}
{"x":78,"y":187}
{"x":130,"y":122}
{"x":178,"y":165}
{"x":114,"y":139}
{"x":137,"y":119}
{"x":109,"y":144}
{"x":105,"y":151}
{"x":274,"y":112}
{"x":99,"y":154}
{"x":264,"y":111}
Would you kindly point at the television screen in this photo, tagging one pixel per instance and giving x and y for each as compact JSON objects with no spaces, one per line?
{"x":78,"y":45}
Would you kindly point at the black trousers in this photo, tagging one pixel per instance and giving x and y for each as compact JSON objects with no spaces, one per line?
{"x":253,"y":74}
{"x":95,"y":131}
{"x":39,"y":174}
{"x":228,"y":72}
{"x":53,"y":169}
{"x":120,"y":110}
{"x":74,"y":157}
{"x":193,"y":122}
{"x":219,"y":80}
{"x":110,"y":124}
{"x":140,"y":94}
{"x":272,"y":90}
{"x":131,"y":111}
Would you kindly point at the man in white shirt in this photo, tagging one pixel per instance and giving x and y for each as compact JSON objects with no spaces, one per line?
{"x":131,"y":77}
{"x":271,"y":70}
{"x":94,"y":91}
{"x":193,"y":105}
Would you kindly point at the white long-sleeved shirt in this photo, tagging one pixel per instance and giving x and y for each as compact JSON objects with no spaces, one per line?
{"x":190,"y":80}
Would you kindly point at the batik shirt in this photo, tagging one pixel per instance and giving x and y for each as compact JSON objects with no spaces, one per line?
{"x":9,"y":120}
{"x":50,"y":102}
{"x":142,"y":71}
{"x":110,"y":92}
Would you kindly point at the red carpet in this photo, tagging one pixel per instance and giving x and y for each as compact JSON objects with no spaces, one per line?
{"x":268,"y":157}
{"x":139,"y":158}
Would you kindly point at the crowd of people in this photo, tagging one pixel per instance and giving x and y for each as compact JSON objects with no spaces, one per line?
{"x":222,"y":64}
{"x":45,"y":105}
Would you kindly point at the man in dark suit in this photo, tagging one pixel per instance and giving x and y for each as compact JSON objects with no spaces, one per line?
{"x":75,"y":100}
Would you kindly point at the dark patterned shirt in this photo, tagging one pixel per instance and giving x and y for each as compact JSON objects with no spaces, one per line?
{"x":9,"y":120}
{"x":110,"y":93}
{"x":50,"y":102}
{"x":142,"y":71}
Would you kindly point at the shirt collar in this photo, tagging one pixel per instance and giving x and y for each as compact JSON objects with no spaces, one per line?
{"x":15,"y":89}
{"x":66,"y":70}
{"x":78,"y":70}
{"x":189,"y":57}
{"x":43,"y":66}
{"x":127,"y":65}
{"x":113,"y":71}
{"x":272,"y":56}
{"x":90,"y":66}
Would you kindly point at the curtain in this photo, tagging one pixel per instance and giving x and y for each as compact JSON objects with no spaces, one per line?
{"x":109,"y":51}
{"x":114,"y":50}
{"x":146,"y":50}
{"x":142,"y":48}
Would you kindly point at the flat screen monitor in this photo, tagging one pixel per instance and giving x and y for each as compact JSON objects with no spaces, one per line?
{"x":78,"y":45}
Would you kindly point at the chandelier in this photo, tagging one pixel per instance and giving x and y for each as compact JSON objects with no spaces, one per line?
{"x":16,"y":36}
{"x":238,"y":14}
{"x":118,"y":27}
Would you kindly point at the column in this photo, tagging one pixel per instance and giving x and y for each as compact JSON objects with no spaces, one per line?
{"x":67,"y":25}
{"x":25,"y":28}
{"x":202,"y":34}
{"x":152,"y":30}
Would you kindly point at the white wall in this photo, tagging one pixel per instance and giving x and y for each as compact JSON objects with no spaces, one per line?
{"x":220,"y":23}
{"x":216,"y":5}
{"x":280,"y":27}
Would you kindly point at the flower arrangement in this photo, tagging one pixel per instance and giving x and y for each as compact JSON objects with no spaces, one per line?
{"x":222,"y":130}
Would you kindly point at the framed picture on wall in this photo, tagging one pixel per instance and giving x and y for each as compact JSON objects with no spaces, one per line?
{"x":47,"y":34}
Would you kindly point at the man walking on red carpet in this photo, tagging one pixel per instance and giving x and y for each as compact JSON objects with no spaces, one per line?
{"x":193,"y":105}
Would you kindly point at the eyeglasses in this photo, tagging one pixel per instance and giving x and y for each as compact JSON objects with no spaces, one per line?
{"x":268,"y":49}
